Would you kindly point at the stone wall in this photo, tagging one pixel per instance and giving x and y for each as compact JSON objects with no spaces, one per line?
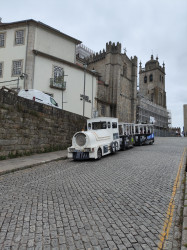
{"x":28,"y":127}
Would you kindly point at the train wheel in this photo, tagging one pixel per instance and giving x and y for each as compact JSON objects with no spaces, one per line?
{"x":116,"y":146}
{"x":113,"y":148}
{"x":99,"y":154}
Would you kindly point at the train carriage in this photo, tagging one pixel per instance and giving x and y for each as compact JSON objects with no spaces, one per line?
{"x":144,"y":134}
{"x":126,"y":134}
{"x":101,"y":138}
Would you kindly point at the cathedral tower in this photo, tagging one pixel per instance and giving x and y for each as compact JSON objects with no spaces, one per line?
{"x":152,"y":82}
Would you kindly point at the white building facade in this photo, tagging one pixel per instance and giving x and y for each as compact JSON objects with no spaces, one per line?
{"x":46,"y":58}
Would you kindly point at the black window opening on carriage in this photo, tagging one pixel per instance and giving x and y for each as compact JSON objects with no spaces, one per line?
{"x":114,"y":125}
{"x":99,"y":125}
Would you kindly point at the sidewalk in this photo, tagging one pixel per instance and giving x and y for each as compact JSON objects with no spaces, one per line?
{"x":15,"y":164}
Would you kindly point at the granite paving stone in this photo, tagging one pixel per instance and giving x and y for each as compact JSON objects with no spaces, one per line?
{"x":119,"y":202}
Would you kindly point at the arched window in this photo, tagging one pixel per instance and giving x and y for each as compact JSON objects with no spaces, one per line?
{"x":151,"y":78}
{"x":125,"y":69}
{"x":162,"y":79}
{"x":145,"y":79}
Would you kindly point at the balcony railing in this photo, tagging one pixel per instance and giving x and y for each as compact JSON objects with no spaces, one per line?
{"x":57,"y":84}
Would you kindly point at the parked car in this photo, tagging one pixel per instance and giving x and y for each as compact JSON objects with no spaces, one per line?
{"x":38,"y":96}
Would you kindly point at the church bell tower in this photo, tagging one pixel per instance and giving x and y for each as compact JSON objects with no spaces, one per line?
{"x":152,"y":82}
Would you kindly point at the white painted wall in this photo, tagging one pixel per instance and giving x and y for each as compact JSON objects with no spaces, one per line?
{"x":10,"y":53}
{"x":53,"y":44}
{"x":74,"y":85}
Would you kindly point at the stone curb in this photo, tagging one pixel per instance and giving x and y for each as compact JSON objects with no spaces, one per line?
{"x":184,"y":226}
{"x":31,"y":165}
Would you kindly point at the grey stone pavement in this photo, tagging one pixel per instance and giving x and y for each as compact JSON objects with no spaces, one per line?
{"x":119,"y":202}
{"x":15,"y":164}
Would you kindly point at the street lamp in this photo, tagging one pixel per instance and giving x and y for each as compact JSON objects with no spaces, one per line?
{"x":22,"y":76}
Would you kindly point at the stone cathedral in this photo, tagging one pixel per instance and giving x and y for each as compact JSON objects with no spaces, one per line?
{"x":117,"y":85}
{"x":117,"y":94}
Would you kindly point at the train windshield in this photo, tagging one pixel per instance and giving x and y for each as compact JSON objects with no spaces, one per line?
{"x":99,"y":125}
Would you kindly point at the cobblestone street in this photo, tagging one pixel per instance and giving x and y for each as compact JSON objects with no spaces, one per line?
{"x":119,"y":202}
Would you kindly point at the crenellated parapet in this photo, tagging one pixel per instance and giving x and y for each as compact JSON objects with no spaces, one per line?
{"x":112,"y":48}
{"x":96,"y":57}
{"x":134,"y":60}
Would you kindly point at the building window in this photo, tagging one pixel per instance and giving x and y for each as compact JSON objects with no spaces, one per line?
{"x":19,"y":37}
{"x":151,"y":78}
{"x":17,"y":68}
{"x":58,"y":74}
{"x":160,"y":78}
{"x":1,"y":69}
{"x":145,"y":79}
{"x":2,"y":40}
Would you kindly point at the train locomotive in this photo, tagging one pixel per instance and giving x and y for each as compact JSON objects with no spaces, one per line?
{"x":101,"y":138}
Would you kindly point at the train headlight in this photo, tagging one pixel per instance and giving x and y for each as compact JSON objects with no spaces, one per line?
{"x":80,"y":139}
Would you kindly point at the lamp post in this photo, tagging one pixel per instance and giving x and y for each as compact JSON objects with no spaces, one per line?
{"x":62,"y":82}
{"x":85,"y":66}
{"x":93,"y":70}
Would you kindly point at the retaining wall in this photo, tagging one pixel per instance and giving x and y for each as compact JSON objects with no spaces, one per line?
{"x":29,"y":127}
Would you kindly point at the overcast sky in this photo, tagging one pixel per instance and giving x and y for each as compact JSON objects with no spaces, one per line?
{"x":142,"y":27}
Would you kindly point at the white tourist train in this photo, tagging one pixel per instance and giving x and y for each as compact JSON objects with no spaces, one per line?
{"x":105,"y":135}
{"x":101,"y":138}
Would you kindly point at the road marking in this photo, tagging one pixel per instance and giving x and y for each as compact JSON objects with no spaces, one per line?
{"x":169,"y":215}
